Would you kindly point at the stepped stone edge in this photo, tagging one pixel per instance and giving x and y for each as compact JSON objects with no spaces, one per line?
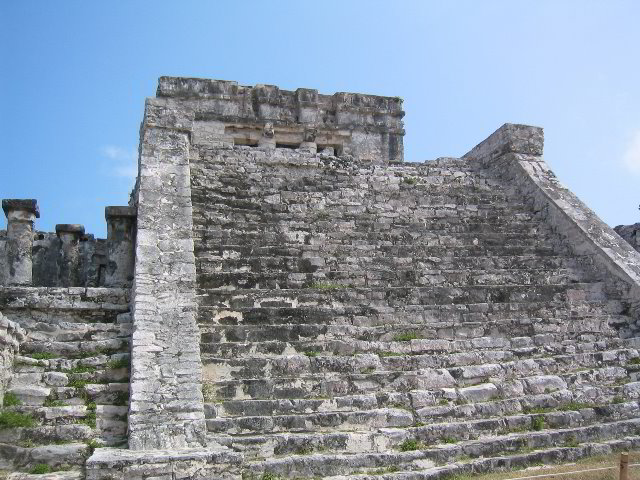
{"x":514,"y":153}
{"x":166,"y":403}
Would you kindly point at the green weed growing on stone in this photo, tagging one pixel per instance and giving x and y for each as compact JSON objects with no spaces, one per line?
{"x":327,"y":285}
{"x":10,"y":400}
{"x":269,"y":476}
{"x":405,"y":337}
{"x":77,"y":383}
{"x":42,"y":356}
{"x":50,"y":402}
{"x":80,"y":369}
{"x":40,"y":469}
{"x":122,"y":362}
{"x":410,"y":445}
{"x":537,"y":423}
{"x":410,"y":180}
{"x":15,"y":419}
{"x":634,"y":361}
{"x":573,"y":406}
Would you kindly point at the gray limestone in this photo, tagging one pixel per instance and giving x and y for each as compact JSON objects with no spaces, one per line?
{"x":304,"y":304}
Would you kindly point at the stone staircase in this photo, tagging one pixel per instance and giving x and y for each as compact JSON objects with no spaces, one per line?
{"x":408,"y":321}
{"x":70,"y":388}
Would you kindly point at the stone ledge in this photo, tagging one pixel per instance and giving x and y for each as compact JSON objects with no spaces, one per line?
{"x":193,"y":464}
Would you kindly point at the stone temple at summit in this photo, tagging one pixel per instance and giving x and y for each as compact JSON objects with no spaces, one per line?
{"x":285,"y":298}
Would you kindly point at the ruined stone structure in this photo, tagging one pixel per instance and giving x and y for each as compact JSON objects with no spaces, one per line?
{"x":286,"y":298}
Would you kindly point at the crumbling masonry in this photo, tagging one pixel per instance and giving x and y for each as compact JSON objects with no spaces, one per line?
{"x":286,"y":298}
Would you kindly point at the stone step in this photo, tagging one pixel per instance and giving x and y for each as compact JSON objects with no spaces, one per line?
{"x":370,"y":262}
{"x":77,"y":348}
{"x":267,"y":439}
{"x":68,"y":332}
{"x":462,"y":467}
{"x":339,"y":237}
{"x":467,"y":334}
{"x":392,"y":296}
{"x":480,"y":401}
{"x":381,"y":278}
{"x":408,"y":343}
{"x":57,"y":304}
{"x":438,"y":190}
{"x":371,"y":227}
{"x":338,"y":384}
{"x":44,"y":435}
{"x":324,"y":465}
{"x":73,"y":474}
{"x":273,"y":367}
{"x":55,"y":456}
{"x":372,"y":315}
{"x":55,"y":416}
{"x":25,"y":364}
{"x":386,"y":250}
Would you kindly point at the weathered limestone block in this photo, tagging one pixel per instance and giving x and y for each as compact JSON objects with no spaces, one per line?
{"x":120,"y":246}
{"x":17,"y":255}
{"x":70,"y":255}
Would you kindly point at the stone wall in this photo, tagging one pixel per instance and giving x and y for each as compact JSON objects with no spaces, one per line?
{"x":11,"y":334}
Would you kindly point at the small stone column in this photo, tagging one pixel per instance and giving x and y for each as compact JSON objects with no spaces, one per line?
{"x":120,"y":246}
{"x":69,"y":235}
{"x":309,"y":143}
{"x":268,"y":139}
{"x":18,"y":257}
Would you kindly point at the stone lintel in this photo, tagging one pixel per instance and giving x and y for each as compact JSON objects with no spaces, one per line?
{"x":118,"y":211}
{"x":73,"y":228}
{"x":29,"y":205}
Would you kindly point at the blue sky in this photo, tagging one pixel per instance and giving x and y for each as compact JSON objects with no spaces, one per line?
{"x":75,"y":75}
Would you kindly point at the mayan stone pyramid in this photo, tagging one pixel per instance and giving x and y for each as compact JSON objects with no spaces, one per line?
{"x":284,"y":297}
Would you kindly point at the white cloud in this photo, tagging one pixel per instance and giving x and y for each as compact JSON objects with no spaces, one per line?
{"x":631,"y":155}
{"x":124,"y":162}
